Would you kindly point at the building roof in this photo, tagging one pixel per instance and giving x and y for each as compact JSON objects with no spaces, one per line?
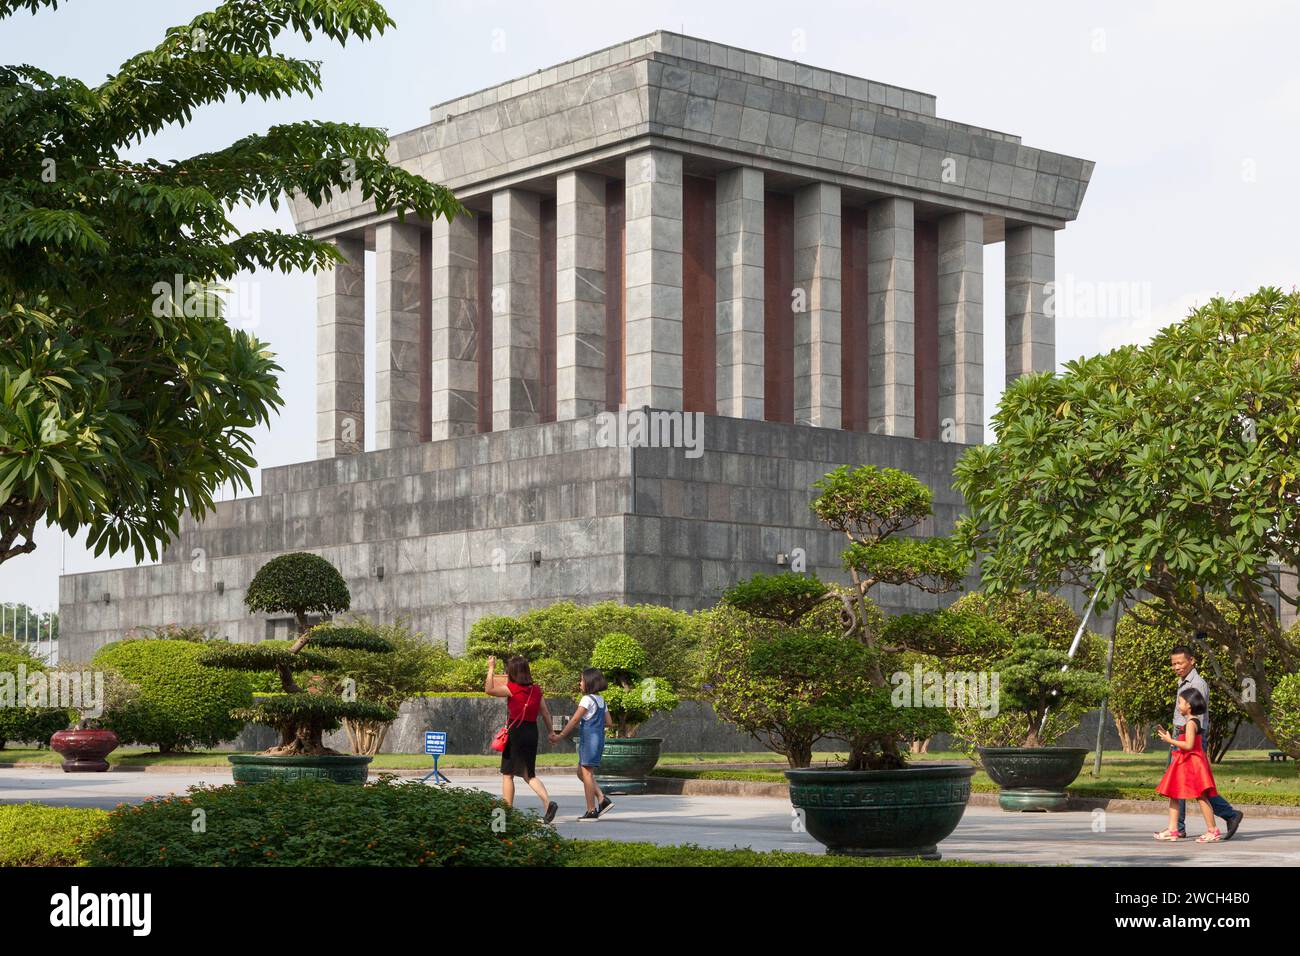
{"x":722,"y":106}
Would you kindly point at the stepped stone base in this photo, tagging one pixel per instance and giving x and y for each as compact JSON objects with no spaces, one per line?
{"x":445,"y":532}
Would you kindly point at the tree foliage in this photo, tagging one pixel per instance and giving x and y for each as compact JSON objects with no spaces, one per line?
{"x":299,"y":583}
{"x":125,"y":397}
{"x":1171,"y":469}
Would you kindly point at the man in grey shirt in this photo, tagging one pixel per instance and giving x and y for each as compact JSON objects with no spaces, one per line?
{"x":1183,"y":661}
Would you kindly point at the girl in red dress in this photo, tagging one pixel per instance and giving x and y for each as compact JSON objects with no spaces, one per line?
{"x":1188,"y":776}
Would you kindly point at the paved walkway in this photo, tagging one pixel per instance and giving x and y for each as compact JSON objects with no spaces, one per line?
{"x":985,"y":833}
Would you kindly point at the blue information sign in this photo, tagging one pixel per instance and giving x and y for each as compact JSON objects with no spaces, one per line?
{"x":435,"y":745}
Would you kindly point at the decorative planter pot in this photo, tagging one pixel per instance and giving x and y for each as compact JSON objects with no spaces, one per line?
{"x":626,"y":763}
{"x":1033,"y":778}
{"x":339,"y":768}
{"x":882,"y":812}
{"x":84,"y":750}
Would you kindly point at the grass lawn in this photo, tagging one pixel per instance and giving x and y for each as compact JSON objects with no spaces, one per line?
{"x":1245,"y":777}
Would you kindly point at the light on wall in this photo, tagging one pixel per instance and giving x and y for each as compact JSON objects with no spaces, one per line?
{"x":379,"y":572}
{"x":537,"y":559}
{"x":782,"y":559}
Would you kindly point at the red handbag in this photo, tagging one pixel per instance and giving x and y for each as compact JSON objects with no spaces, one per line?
{"x":502,"y":736}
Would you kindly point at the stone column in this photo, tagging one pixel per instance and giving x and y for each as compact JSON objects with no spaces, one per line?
{"x":961,"y":328}
{"x":817,"y":325}
{"x":341,"y":353}
{"x":891,"y":317}
{"x":579,"y":294}
{"x":1031,"y":328}
{"x":455,"y":327}
{"x":653,"y":280}
{"x":516,"y":278}
{"x":740,"y":293}
{"x":397,"y":334}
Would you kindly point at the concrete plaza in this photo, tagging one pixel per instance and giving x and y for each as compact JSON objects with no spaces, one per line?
{"x":985,"y":834}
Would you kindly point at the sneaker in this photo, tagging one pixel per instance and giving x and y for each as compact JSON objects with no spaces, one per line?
{"x":1233,"y":824}
{"x":605,"y":805}
{"x":589,"y":816}
{"x":551,"y":808}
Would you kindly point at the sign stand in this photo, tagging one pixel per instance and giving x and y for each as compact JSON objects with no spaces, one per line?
{"x":435,"y":744}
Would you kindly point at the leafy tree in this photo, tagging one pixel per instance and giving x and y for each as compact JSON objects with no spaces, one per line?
{"x":1286,"y":714}
{"x":772,"y":710}
{"x":632,"y":697}
{"x":1171,"y":469}
{"x":1142,"y":691}
{"x":125,"y":398}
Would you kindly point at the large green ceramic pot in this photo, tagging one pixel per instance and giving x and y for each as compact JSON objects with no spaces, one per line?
{"x":1033,"y":778}
{"x":881,"y":812}
{"x":626,"y":763}
{"x":339,"y":768}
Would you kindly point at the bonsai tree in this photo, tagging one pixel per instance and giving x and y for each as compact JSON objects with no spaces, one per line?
{"x":1034,"y":680}
{"x":981,"y":630}
{"x":1166,"y":470}
{"x":301,"y":584}
{"x":876,"y":509}
{"x":632,"y":698}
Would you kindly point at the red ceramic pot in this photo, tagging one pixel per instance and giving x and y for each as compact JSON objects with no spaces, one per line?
{"x":84,"y":750}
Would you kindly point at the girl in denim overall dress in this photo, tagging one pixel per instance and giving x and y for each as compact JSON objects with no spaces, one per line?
{"x":590,"y":719}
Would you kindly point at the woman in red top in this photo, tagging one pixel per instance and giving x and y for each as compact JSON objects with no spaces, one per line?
{"x":1188,"y":776}
{"x":524,"y":702}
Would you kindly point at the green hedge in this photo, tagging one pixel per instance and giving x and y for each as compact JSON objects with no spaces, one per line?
{"x":32,"y":834}
{"x":28,"y":724}
{"x":317,"y":823}
{"x":568,"y":632}
{"x":180,"y":703}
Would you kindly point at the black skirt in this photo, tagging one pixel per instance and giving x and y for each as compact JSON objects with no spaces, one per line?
{"x":519,"y":759}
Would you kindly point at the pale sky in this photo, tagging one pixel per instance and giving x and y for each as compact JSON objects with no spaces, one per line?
{"x":1191,"y":111}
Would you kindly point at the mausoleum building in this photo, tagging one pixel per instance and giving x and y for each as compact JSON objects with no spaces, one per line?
{"x":694,"y":279}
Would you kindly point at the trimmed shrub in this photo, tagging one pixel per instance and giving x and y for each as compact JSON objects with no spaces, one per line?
{"x":300,"y":584}
{"x":180,"y":704}
{"x":32,"y":834}
{"x":632,"y":697}
{"x":779,"y":597}
{"x":317,"y":823}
